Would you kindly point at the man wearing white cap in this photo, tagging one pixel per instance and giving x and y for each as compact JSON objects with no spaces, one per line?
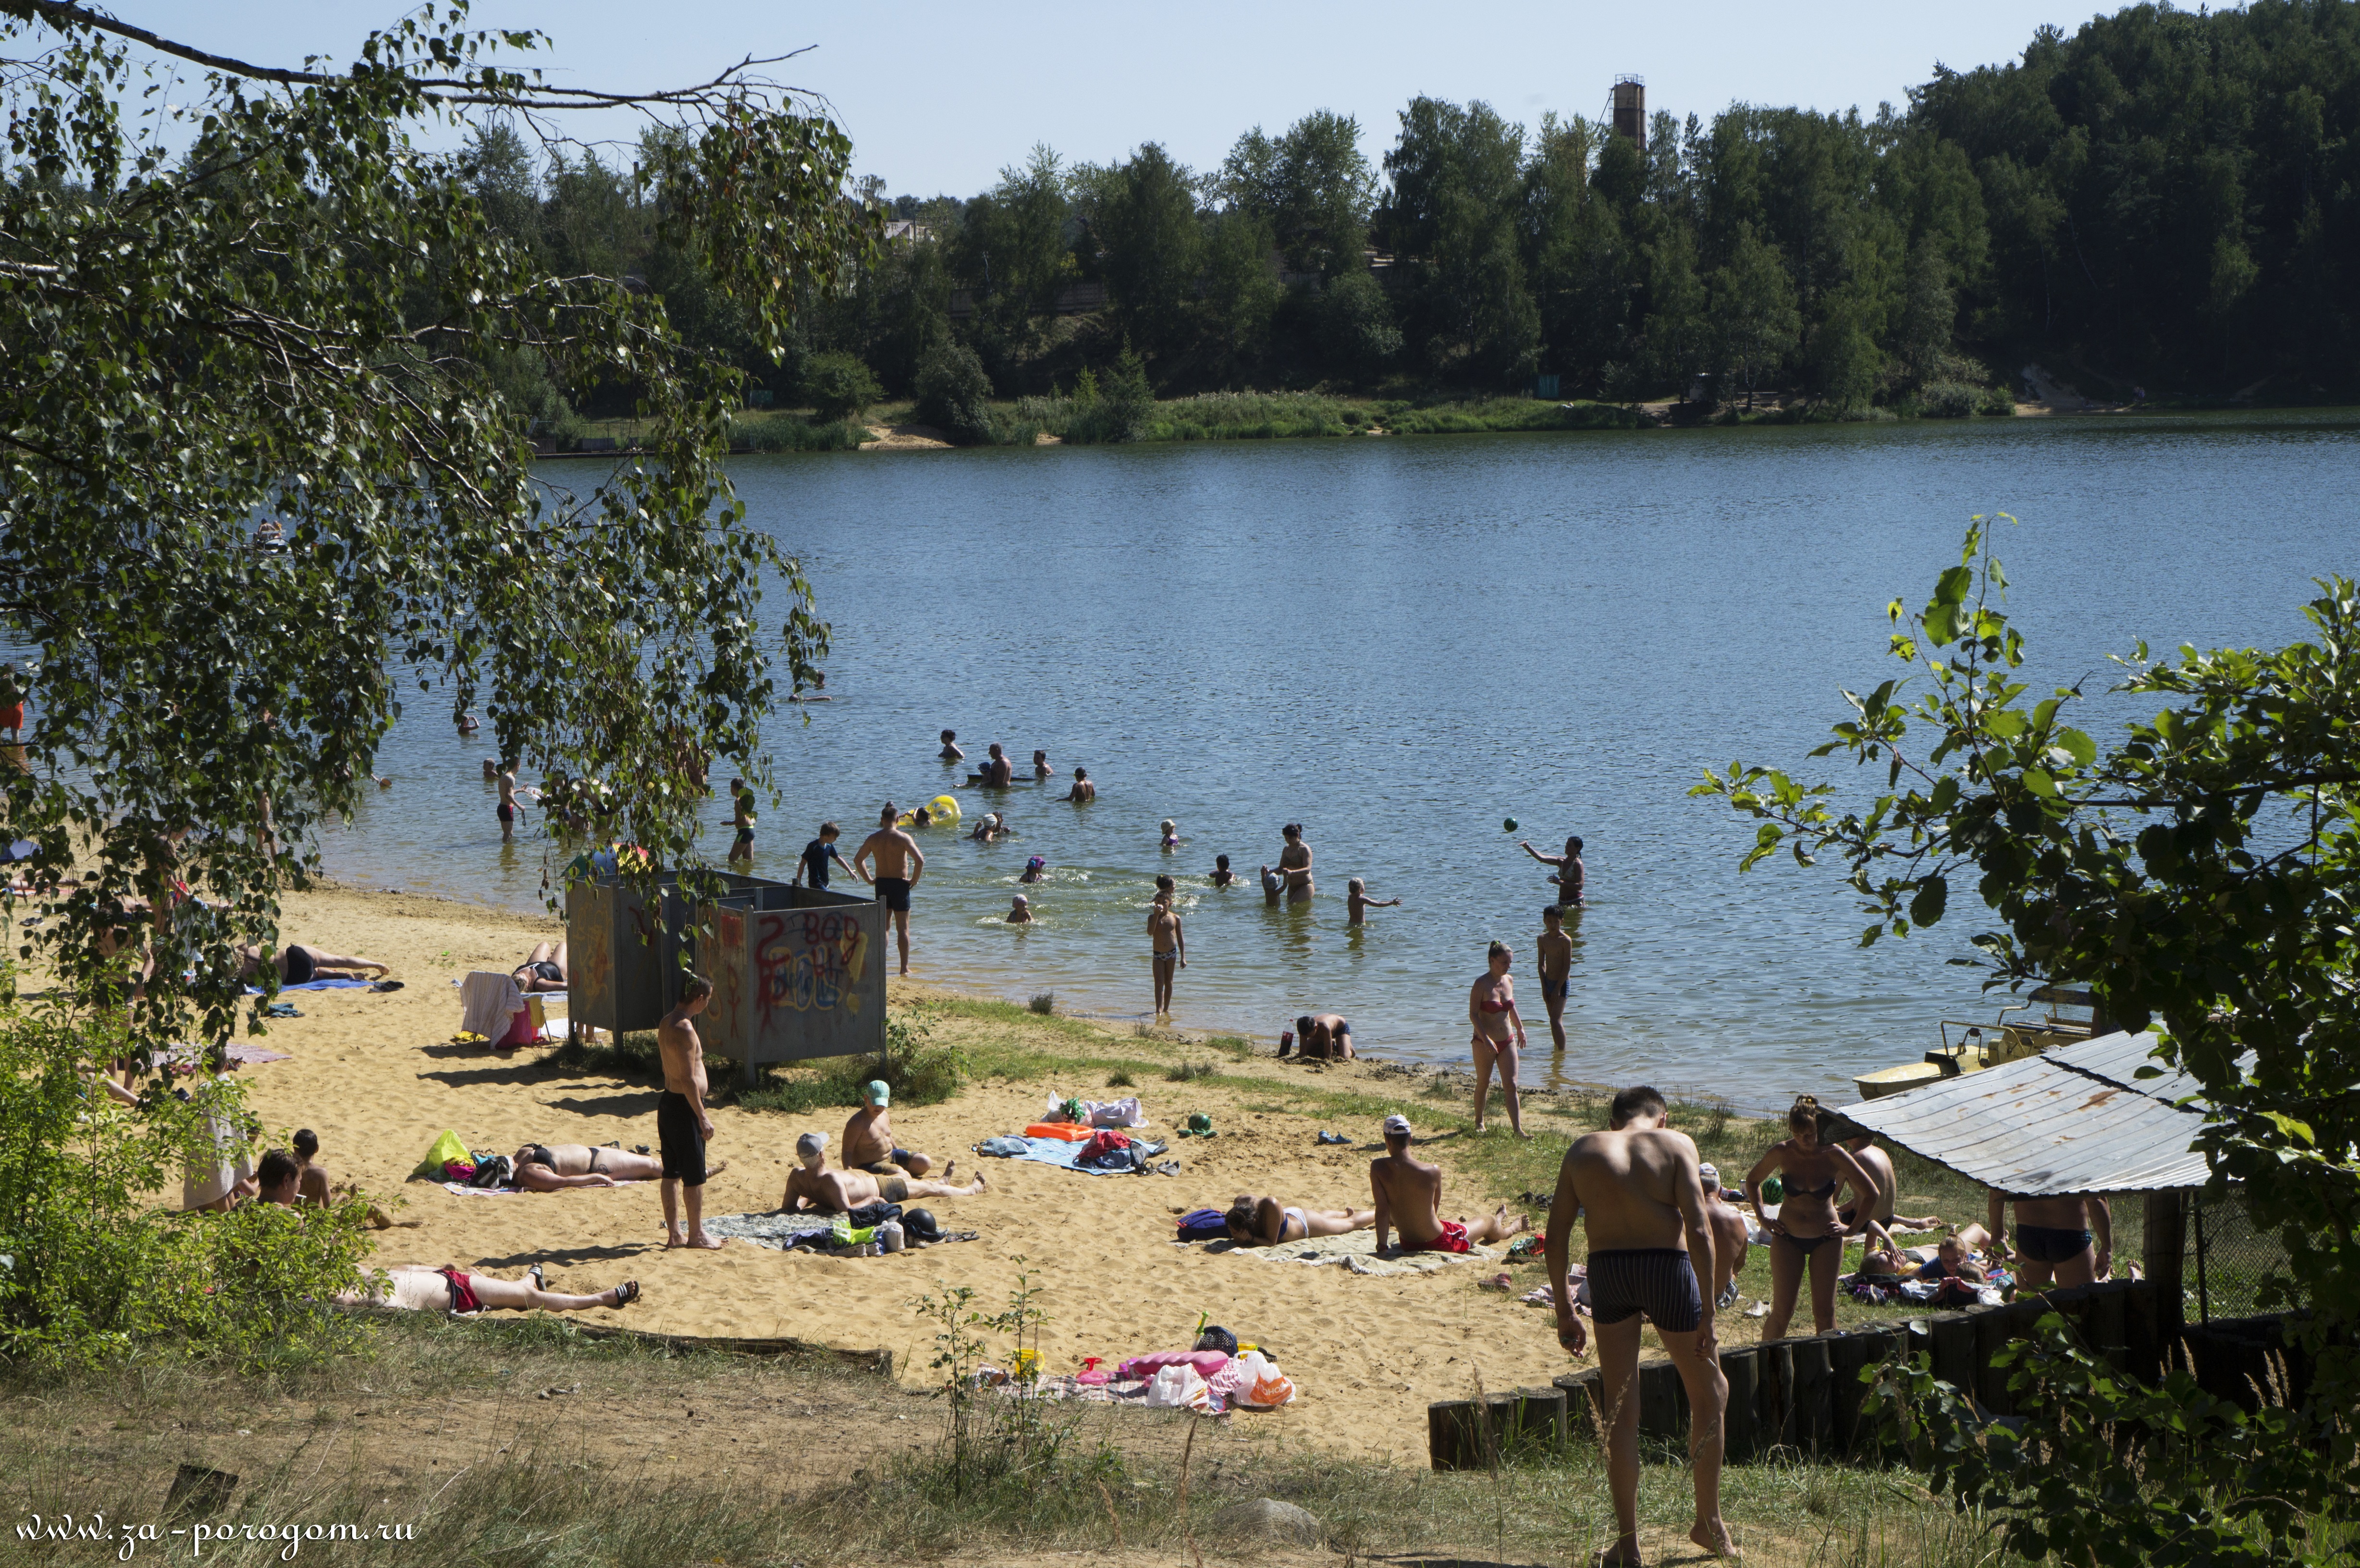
{"x":1409,"y":1193}
{"x":869,"y":1138}
{"x":813,"y":1186}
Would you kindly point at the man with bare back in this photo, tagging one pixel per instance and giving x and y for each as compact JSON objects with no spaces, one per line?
{"x":2065,"y":1241}
{"x":682,"y":1126}
{"x":869,"y":1138}
{"x":1409,"y":1193}
{"x":1640,"y":1195}
{"x":811,"y":1185}
{"x":899,"y":863}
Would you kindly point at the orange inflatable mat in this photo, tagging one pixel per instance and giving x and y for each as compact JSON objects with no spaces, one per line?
{"x":1071,"y":1132}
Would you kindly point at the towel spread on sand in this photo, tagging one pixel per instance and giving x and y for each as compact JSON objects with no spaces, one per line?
{"x":242,"y":1053}
{"x":318,"y":985}
{"x":461,"y":1189}
{"x":780,"y":1230}
{"x":1053,"y":1151}
{"x":1355,"y":1251}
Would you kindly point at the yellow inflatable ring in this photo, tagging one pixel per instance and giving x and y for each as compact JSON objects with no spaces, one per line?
{"x":944,"y":808}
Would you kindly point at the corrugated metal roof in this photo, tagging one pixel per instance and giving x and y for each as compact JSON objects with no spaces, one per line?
{"x":2117,"y":1057}
{"x":2072,"y":1121}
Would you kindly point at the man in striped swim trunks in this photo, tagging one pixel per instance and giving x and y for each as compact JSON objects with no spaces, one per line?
{"x":1641,"y":1198}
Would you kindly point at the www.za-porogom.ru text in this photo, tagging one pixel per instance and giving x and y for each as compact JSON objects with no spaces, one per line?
{"x":128,"y":1539}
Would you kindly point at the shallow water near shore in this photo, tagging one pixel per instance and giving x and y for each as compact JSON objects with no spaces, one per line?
{"x":1401,"y":642}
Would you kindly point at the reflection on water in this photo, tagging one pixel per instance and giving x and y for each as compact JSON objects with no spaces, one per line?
{"x":1401,"y":643}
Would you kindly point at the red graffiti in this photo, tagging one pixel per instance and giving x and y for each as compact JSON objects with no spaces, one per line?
{"x":805,"y":961}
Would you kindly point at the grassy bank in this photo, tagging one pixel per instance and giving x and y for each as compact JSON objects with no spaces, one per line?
{"x":526,"y":1446}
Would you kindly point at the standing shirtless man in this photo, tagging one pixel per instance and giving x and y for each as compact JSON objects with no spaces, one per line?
{"x":1879,"y":1164}
{"x":1168,"y":948}
{"x":1641,"y":1195}
{"x":2066,"y":1241}
{"x":900,"y":863}
{"x":682,"y":1126}
{"x":505,"y":779}
{"x":1409,"y":1193}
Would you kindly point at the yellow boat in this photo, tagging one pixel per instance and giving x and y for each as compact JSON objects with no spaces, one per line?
{"x":1979,"y":1046}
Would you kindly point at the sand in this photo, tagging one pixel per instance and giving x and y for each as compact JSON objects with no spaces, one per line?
{"x":376,"y":1077}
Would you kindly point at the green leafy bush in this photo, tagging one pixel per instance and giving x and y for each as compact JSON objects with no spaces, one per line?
{"x":96,"y":1271}
{"x":788,"y":433}
{"x":838,"y":387}
{"x":1122,"y":405}
{"x":954,"y":393}
{"x":1948,"y":400}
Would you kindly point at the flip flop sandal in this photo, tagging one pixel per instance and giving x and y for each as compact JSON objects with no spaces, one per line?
{"x":539,"y":1280}
{"x":626,"y":1294}
{"x":387,"y":986}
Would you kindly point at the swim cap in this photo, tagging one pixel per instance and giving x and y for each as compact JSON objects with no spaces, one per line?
{"x":1396,"y":1123}
{"x":878,"y":1093}
{"x":809,"y":1146}
{"x":1034,"y":864}
{"x":1022,"y":900}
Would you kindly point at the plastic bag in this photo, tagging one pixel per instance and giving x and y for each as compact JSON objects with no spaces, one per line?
{"x":1266,"y":1388}
{"x":1178,"y":1389}
{"x":446,"y":1149}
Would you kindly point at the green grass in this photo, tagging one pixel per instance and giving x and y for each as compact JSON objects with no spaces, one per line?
{"x":1188,"y":1072}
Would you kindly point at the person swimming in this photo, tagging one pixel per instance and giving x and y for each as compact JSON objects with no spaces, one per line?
{"x":1171,"y":835}
{"x":1222,"y":875}
{"x":1035,"y":869}
{"x":1019,"y":911}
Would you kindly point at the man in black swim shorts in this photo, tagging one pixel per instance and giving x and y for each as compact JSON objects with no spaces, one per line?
{"x":683,"y":1127}
{"x":898,"y":865}
{"x":2063,"y":1241}
{"x":1640,"y":1193}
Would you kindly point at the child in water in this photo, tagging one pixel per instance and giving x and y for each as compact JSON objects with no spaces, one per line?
{"x":1356,"y":895}
{"x":1222,"y":875}
{"x":1019,"y":911}
{"x":951,"y":752}
{"x":1171,"y":835}
{"x":1034,"y":869}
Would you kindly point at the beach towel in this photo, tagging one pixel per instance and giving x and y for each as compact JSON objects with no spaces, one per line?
{"x":186,"y":1056}
{"x":461,"y":1189}
{"x":318,"y":985}
{"x":1064,"y":1155}
{"x":1355,"y":1252}
{"x":489,"y":1002}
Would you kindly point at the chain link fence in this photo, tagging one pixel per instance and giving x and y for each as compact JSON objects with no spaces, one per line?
{"x":2228,"y":1258}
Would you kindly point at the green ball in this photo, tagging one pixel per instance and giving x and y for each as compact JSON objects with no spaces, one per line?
{"x":1510,"y":825}
{"x":1774,"y":1191}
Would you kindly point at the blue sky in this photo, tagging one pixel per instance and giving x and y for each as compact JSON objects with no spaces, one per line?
{"x":939,"y":97}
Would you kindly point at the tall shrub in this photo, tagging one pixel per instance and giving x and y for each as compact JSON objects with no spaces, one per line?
{"x":954,"y":393}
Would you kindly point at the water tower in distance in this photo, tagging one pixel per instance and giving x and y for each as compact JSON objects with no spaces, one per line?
{"x":1630,"y":109}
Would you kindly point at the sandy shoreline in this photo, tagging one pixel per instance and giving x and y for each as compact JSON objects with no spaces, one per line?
{"x":376,"y":1077}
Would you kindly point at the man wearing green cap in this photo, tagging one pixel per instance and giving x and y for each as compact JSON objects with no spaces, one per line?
{"x":869,"y":1138}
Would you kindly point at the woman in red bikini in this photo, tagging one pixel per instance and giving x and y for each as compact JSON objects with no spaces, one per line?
{"x":1806,"y":1229}
{"x":1499,"y":1036}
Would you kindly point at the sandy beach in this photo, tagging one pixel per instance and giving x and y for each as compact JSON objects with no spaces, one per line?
{"x":375,"y":1076}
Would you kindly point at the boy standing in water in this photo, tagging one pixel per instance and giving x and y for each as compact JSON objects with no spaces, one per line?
{"x":951,"y":752}
{"x":1556,"y":951}
{"x":741,"y":849}
{"x":1222,"y":875}
{"x":507,"y":778}
{"x":1357,"y":896}
{"x":1169,"y":948}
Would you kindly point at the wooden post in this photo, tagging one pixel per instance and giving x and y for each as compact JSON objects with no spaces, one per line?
{"x":1454,"y":1438}
{"x":2165,"y":1247}
{"x":1775,"y":1374}
{"x":1848,"y":1356}
{"x":1740,"y":1428}
{"x":1581,"y":1413}
{"x":1954,"y":1350}
{"x":2106,"y":1327}
{"x":1995,"y":1328}
{"x":1812,"y":1423}
{"x":1538,"y":1420}
{"x":1663,"y":1400}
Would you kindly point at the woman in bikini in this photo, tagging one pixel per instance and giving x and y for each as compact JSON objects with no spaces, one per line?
{"x":550,"y":1167}
{"x":1806,"y":1229}
{"x":1499,"y":1036}
{"x":1265,"y":1222}
{"x":418,"y":1287}
{"x":544,"y":969}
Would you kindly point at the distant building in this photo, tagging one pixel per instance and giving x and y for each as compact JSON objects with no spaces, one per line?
{"x":1630,"y":109}
{"x":907,"y":229}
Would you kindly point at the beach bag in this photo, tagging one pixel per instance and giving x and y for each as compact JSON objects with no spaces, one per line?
{"x":1203,"y":1224}
{"x":446,"y":1148}
{"x":1179,"y":1389}
{"x":1266,"y":1388}
{"x":493,"y":1171}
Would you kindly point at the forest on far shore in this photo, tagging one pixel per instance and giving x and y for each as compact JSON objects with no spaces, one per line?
{"x":2164,"y":200}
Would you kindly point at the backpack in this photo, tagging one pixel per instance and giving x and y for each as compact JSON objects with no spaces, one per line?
{"x":1203,"y":1224}
{"x":493,"y":1171}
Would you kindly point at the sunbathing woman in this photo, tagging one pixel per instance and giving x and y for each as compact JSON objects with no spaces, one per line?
{"x":552,"y":1166}
{"x":420,"y":1288}
{"x":298,"y":964}
{"x":543,"y":970}
{"x":1263,"y":1222}
{"x":1806,"y":1229}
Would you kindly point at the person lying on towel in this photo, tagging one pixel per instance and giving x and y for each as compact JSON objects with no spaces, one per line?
{"x":811,"y":1185}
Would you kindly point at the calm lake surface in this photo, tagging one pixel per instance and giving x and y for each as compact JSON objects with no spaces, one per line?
{"x":1400,"y":642}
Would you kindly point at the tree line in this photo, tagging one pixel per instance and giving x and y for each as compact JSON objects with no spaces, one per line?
{"x":2161,"y":200}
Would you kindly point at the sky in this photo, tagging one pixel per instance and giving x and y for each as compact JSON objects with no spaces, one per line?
{"x":938,"y":98}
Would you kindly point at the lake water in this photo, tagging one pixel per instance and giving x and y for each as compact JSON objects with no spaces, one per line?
{"x":1400,"y":642}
